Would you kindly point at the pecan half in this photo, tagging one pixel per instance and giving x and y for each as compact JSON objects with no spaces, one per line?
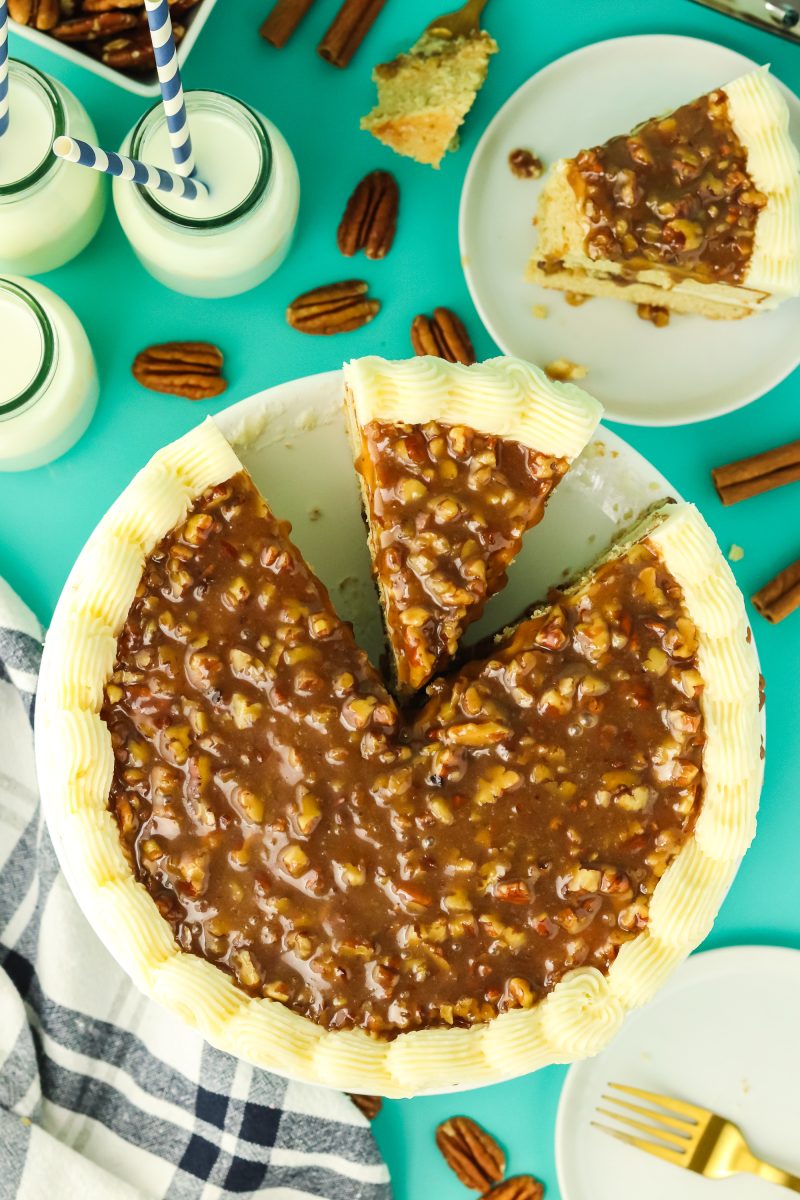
{"x":370,"y":1106}
{"x":370,"y":218}
{"x":470,"y":1152}
{"x":333,"y":308}
{"x":443,"y":335}
{"x":39,"y":14}
{"x":518,"y":1187}
{"x":90,"y":28}
{"x":190,"y":369}
{"x":134,"y":53}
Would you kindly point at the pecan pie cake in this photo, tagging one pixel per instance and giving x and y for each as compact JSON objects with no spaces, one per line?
{"x":455,"y":463}
{"x":697,"y":211}
{"x":379,"y":900}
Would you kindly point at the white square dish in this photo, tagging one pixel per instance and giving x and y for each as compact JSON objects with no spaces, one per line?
{"x":145,"y":84}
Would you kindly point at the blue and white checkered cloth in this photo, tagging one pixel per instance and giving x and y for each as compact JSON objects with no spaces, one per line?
{"x":103,"y":1095}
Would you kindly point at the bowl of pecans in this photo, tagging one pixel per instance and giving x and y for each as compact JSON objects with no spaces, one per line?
{"x":109,"y":37}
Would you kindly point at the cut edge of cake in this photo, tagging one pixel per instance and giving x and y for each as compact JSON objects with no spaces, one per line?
{"x":760,"y":119}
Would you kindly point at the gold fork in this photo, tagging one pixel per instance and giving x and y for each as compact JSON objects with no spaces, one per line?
{"x":462,"y":23}
{"x":688,"y":1136}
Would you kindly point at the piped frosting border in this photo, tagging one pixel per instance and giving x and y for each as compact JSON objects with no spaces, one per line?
{"x":585,"y":1009}
{"x":503,"y":397}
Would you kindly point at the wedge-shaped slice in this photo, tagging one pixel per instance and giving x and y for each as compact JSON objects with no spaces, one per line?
{"x":697,"y":211}
{"x":455,"y":463}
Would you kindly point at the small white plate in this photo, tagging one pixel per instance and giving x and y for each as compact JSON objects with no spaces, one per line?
{"x":723,"y":1033}
{"x":689,"y":371}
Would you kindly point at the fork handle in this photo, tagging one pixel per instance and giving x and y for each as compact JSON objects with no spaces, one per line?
{"x":765,"y":1170}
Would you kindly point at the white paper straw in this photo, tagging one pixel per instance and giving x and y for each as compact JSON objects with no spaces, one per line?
{"x":3,"y":66}
{"x":169,"y":76}
{"x":75,"y":151}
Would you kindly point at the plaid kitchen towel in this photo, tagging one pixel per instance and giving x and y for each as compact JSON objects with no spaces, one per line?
{"x":103,"y":1095}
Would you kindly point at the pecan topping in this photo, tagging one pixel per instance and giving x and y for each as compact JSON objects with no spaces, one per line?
{"x":524,"y":164}
{"x":519,"y":1187}
{"x":470,"y":1152}
{"x":370,"y":1106}
{"x":370,"y":218}
{"x":39,"y":14}
{"x":333,"y":308}
{"x":444,"y":336}
{"x":190,"y":369}
{"x":655,"y":313}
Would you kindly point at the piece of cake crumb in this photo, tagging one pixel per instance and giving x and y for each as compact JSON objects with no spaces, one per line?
{"x":540,"y":311}
{"x":563,"y":370}
{"x":736,"y":553}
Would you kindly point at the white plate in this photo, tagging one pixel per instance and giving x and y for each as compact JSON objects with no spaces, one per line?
{"x":689,"y":371}
{"x":143,"y":85}
{"x":723,"y":1033}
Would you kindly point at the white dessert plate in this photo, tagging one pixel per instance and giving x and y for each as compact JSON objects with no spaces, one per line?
{"x":722,"y":1033}
{"x":689,"y":371}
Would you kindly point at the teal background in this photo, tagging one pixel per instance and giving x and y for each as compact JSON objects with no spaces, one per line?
{"x":46,"y":515}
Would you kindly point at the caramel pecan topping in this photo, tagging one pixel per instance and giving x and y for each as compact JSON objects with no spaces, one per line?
{"x":524,"y":164}
{"x":675,"y":193}
{"x":333,"y":308}
{"x":444,"y":336}
{"x":370,"y":218}
{"x":471,"y":1153}
{"x":389,"y":872}
{"x":190,"y":369}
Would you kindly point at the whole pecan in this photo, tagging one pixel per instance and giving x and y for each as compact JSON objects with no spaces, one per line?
{"x":40,"y":14}
{"x":370,"y":1106}
{"x":471,"y":1152}
{"x":444,"y":336}
{"x":370,"y":218}
{"x":190,"y":369}
{"x":333,"y":308}
{"x":135,"y":51}
{"x":518,"y":1187}
{"x":91,"y":27}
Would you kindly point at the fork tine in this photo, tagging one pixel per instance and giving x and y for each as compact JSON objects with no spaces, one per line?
{"x":671,"y":1156}
{"x":687,"y":1127}
{"x":680,"y":1106}
{"x":645,"y":1127}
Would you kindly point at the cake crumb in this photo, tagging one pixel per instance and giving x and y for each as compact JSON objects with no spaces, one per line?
{"x":576,"y":299}
{"x":525,"y":164}
{"x":314,"y":513}
{"x":563,"y":369}
{"x":736,"y":553}
{"x":540,"y":311}
{"x":656,"y":314}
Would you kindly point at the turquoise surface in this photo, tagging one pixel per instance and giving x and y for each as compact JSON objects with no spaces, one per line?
{"x":47,"y":514}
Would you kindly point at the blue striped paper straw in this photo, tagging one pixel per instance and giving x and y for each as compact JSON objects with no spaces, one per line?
{"x":3,"y":66}
{"x":75,"y":151}
{"x":169,"y":76}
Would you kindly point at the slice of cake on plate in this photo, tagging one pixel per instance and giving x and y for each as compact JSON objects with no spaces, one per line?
{"x":697,"y":211}
{"x":455,"y":463}
{"x":424,"y":96}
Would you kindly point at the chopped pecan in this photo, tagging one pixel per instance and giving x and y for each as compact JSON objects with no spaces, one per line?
{"x":519,"y":1187}
{"x":370,"y":218}
{"x":370,"y":1106}
{"x":190,"y":369}
{"x":471,"y":1153}
{"x":333,"y":308}
{"x":39,"y":14}
{"x":443,"y":336}
{"x":524,"y":164}
{"x":656,"y":314}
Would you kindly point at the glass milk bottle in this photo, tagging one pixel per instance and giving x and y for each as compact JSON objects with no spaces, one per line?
{"x":48,"y":381}
{"x":48,"y":210}
{"x":233,"y":239}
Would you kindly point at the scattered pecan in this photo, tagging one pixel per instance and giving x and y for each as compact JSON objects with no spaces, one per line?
{"x":564,"y":370}
{"x":443,"y":336}
{"x":370,"y":1106}
{"x":519,"y":1187}
{"x":190,"y":369}
{"x":333,"y":308}
{"x":524,"y":164}
{"x":656,"y":314}
{"x":40,"y":14}
{"x":90,"y":28}
{"x":370,"y":218}
{"x":471,"y":1153}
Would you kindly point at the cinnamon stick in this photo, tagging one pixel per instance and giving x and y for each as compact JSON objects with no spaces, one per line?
{"x":780,"y":596}
{"x":282,"y":21}
{"x":350,"y":26}
{"x":751,"y":476}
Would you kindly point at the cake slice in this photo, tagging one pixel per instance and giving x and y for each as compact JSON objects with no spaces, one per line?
{"x":424,"y":96}
{"x":455,"y":464}
{"x":697,"y":211}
